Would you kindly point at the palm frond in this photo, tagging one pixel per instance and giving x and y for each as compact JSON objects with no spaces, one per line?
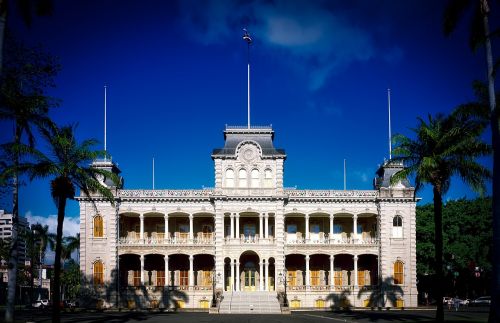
{"x":454,"y":11}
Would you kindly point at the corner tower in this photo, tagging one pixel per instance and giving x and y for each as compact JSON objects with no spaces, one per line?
{"x":248,"y":160}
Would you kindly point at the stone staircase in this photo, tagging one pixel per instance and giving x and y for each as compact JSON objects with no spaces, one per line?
{"x":250,"y":302}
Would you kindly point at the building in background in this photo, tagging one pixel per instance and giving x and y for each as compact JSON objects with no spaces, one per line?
{"x":249,"y":233}
{"x":6,"y":233}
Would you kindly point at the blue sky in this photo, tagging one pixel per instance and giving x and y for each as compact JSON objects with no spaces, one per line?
{"x":176,"y":74}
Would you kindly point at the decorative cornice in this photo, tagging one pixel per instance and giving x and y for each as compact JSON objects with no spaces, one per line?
{"x":165,"y":193}
{"x":260,"y":194}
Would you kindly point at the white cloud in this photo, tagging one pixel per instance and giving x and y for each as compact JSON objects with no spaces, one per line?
{"x":71,"y":225}
{"x":313,"y":39}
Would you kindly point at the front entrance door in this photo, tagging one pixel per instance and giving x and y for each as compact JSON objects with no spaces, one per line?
{"x":250,"y":279}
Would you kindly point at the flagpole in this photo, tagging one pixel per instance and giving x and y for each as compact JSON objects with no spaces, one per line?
{"x":389,"y":106}
{"x":248,"y":90}
{"x":344,"y":176}
{"x":105,"y":116}
{"x":248,"y":39}
{"x":153,"y":173}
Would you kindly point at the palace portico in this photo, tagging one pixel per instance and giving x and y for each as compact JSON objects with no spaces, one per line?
{"x":249,"y":233}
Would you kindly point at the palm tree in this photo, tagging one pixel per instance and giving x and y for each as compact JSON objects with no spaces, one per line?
{"x":23,"y":101}
{"x":69,"y":165}
{"x":72,"y":244}
{"x":445,"y":146}
{"x":480,"y":35}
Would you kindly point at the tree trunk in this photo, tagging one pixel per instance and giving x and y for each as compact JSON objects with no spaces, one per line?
{"x":13,"y":256}
{"x":438,"y":232}
{"x":56,"y":300}
{"x":495,"y":133}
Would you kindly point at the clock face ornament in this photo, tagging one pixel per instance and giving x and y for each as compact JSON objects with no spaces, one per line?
{"x":248,"y":153}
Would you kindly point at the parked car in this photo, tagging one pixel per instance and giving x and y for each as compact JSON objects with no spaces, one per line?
{"x":447,"y":300}
{"x":482,"y":301}
{"x":69,"y":304}
{"x":40,"y":303}
{"x":465,"y":302}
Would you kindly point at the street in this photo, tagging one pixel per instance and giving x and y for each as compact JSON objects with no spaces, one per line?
{"x":412,"y":315}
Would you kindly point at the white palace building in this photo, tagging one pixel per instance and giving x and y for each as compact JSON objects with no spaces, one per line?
{"x":250,"y":235}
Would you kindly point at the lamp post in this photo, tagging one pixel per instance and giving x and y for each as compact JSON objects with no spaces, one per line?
{"x":215,"y":279}
{"x":283,"y":276}
{"x":35,"y":232}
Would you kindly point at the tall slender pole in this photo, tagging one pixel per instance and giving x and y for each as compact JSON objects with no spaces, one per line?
{"x":248,"y":90}
{"x":153,"y":173}
{"x":105,"y":116}
{"x":248,"y":39}
{"x":389,"y":106}
{"x":344,"y":176}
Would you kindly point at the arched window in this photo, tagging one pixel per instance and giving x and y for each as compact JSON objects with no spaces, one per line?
{"x":255,"y":178}
{"x":242,"y":178}
{"x":397,"y":227}
{"x":229,"y":178}
{"x":98,"y":227}
{"x":398,"y":273}
{"x":268,"y":178}
{"x":98,"y":273}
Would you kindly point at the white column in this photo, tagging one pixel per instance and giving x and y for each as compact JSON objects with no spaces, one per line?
{"x":167,"y":280}
{"x":355,"y":271}
{"x":142,"y":270}
{"x":232,"y":229}
{"x":191,"y":235}
{"x":355,"y":230}
{"x":237,"y":236}
{"x":191,"y":273}
{"x":262,"y":234}
{"x":232,"y":276}
{"x":266,"y":287}
{"x":331,"y":226}
{"x":332,"y":268}
{"x":166,"y":226}
{"x":237,"y":276}
{"x":141,"y":234}
{"x":308,"y":274}
{"x":307,"y":226}
{"x":261,"y":276}
{"x":266,"y":227}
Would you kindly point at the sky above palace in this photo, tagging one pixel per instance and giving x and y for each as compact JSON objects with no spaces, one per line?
{"x":176,"y":73}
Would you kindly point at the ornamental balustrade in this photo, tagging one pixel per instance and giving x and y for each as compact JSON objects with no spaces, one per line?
{"x":332,"y":288}
{"x":208,"y":192}
{"x":249,"y":239}
{"x":181,"y":239}
{"x":324,"y":238}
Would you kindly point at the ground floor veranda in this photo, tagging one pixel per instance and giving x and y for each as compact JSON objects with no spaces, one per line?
{"x":248,"y":272}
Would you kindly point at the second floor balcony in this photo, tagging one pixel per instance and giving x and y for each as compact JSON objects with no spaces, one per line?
{"x":340,"y":238}
{"x":172,"y":238}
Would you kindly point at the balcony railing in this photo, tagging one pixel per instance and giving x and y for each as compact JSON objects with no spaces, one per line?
{"x":249,"y":239}
{"x":324,"y":238}
{"x":178,"y":238}
{"x":337,"y":288}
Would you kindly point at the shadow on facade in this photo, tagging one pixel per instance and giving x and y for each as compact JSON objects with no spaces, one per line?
{"x":386,"y":295}
{"x":111,"y":295}
{"x":340,"y":301}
